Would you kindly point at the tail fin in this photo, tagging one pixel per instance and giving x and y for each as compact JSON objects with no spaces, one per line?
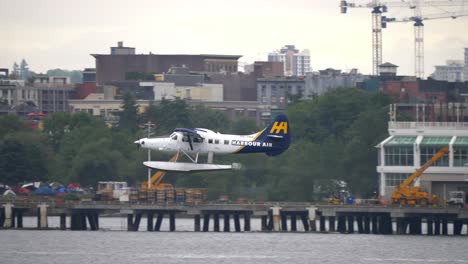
{"x":273,"y":140}
{"x":278,"y":133}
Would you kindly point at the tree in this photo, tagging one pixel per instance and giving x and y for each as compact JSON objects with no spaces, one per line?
{"x":10,"y":124}
{"x":24,"y":70}
{"x":23,"y":158}
{"x":128,"y":116}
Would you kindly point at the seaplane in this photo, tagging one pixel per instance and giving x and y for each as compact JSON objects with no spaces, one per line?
{"x":193,"y":142}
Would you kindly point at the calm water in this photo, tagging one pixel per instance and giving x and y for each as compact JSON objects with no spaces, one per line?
{"x":113,"y":246}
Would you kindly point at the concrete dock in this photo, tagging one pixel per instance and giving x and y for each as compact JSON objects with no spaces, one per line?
{"x":275,"y":217}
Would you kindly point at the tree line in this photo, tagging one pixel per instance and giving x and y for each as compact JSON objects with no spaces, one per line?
{"x":332,"y":147}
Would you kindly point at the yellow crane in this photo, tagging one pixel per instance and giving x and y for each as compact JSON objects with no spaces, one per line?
{"x":407,"y":193}
{"x":155,"y":181}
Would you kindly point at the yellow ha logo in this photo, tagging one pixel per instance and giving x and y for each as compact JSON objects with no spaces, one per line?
{"x":278,"y":127}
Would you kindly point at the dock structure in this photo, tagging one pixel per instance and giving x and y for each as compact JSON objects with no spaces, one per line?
{"x":275,"y":217}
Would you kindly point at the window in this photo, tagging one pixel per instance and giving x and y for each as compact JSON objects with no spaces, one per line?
{"x":216,"y":141}
{"x":399,"y":156}
{"x":174,"y":137}
{"x":428,"y":152}
{"x":197,"y":139}
{"x":460,"y":152}
{"x":460,"y":156}
{"x":210,"y":141}
{"x":226,"y":142}
{"x":395,"y":179}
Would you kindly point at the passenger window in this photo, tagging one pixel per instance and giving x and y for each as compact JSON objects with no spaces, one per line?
{"x":210,"y":141}
{"x":226,"y":142}
{"x":216,"y":141}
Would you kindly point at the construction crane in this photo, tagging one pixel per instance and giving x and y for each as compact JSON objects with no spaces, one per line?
{"x":407,"y":193}
{"x":418,"y":19}
{"x":378,"y":7}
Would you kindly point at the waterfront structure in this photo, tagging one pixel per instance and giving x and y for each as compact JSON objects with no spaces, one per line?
{"x":277,"y":90}
{"x":295,"y":62}
{"x":411,"y":144}
{"x":274,"y":217}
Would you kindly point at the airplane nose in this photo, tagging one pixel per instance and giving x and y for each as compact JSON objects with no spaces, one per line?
{"x":139,"y":143}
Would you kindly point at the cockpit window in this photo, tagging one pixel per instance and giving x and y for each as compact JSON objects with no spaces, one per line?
{"x":174,"y":137}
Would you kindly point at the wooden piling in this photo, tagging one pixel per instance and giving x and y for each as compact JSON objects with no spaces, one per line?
{"x":149,"y":222}
{"x":172,"y":226}
{"x":227,"y":226}
{"x":293,"y":222}
{"x":206,"y":222}
{"x":63,"y":221}
{"x":247,"y":221}
{"x":216,"y":222}
{"x":237,"y":222}
{"x":159,"y":219}
{"x":197,"y":223}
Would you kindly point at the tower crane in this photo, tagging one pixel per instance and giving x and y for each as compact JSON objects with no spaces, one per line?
{"x":419,"y":33}
{"x":378,"y":7}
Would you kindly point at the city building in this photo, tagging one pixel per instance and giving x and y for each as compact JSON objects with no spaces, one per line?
{"x":179,"y":82}
{"x":277,"y":90}
{"x":411,"y":144}
{"x":465,"y":75}
{"x":453,"y":71}
{"x":265,"y":68}
{"x":318,"y":83}
{"x":125,"y":65}
{"x":121,"y":50}
{"x":89,"y":75}
{"x":388,"y":69}
{"x":53,"y":93}
{"x":98,"y":105}
{"x":295,"y":63}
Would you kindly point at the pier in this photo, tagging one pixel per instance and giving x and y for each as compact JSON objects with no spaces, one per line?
{"x":274,"y":217}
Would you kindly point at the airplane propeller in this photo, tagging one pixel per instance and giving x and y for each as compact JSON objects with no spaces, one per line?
{"x":138,"y":143}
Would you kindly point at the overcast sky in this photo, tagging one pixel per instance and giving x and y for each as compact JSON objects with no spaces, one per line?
{"x":61,"y":34}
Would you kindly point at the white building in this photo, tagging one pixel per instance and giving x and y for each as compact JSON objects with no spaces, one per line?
{"x":453,"y":71}
{"x":411,"y":144}
{"x":201,"y":92}
{"x":295,"y":63}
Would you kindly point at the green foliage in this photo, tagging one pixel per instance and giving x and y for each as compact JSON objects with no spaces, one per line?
{"x":10,"y":124}
{"x":333,"y":139}
{"x":23,"y":157}
{"x":128,"y":116}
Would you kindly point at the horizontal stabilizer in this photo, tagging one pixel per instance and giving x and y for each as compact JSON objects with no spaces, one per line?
{"x":188,"y":166}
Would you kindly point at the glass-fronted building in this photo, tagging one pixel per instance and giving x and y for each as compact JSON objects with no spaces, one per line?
{"x":411,"y":144}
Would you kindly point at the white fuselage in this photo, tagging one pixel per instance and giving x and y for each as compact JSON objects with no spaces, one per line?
{"x":213,"y":142}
